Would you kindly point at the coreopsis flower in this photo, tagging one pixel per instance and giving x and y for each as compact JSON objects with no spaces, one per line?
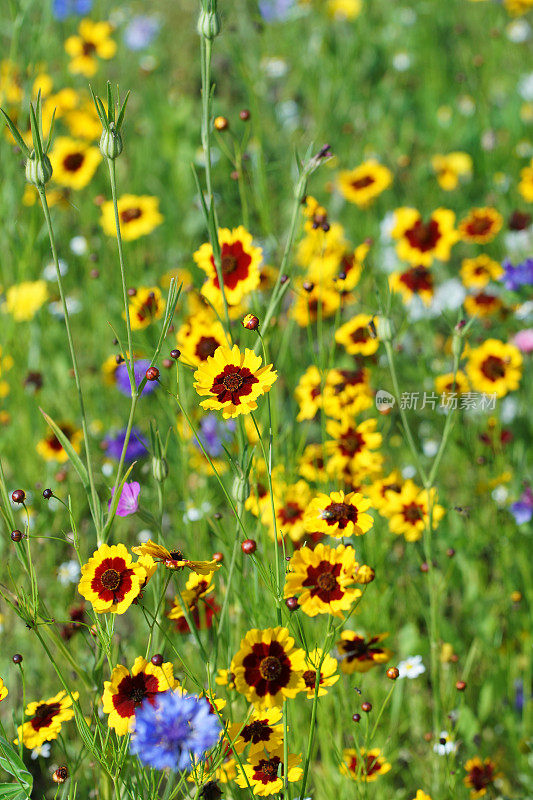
{"x":138,"y":215}
{"x":344,"y":9}
{"x":174,"y":731}
{"x":327,"y":676}
{"x":323,"y":300}
{"x":415,"y":281}
{"x":364,"y":183}
{"x":225,"y":677}
{"x":173,"y":559}
{"x":308,"y":394}
{"x":264,"y":772}
{"x":233,"y":381}
{"x":451,"y":168}
{"x":409,"y":511}
{"x":366,"y":767}
{"x":239,"y":265}
{"x":339,"y":515}
{"x":23,"y":300}
{"x":323,"y":246}
{"x":83,"y":122}
{"x":199,"y":337}
{"x":379,"y":490}
{"x":47,"y":717}
{"x":146,"y":306}
{"x":518,"y":7}
{"x":111,"y":580}
{"x":420,"y":795}
{"x":4,"y":691}
{"x":290,"y":503}
{"x":481,"y":225}
{"x":482,"y":304}
{"x":323,"y":579}
{"x":127,"y":690}
{"x":197,"y":586}
{"x":51,"y":449}
{"x":352,"y":446}
{"x":411,"y":667}
{"x":351,"y":267}
{"x":263,"y":731}
{"x":421,"y":242}
{"x":92,"y":42}
{"x":525,"y":187}
{"x":480,"y":776}
{"x":477,"y":272}
{"x":268,"y":667}
{"x":346,"y":393}
{"x":311,"y":464}
{"x":73,"y":162}
{"x":494,"y":367}
{"x":356,"y":336}
{"x":451,"y":384}
{"x":359,"y":654}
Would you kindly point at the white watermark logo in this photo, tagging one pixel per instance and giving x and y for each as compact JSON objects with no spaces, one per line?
{"x":384,"y":400}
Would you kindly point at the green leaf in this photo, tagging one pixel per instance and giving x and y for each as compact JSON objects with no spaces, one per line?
{"x":110,"y":106}
{"x":16,"y":135}
{"x":37,"y":144}
{"x":11,"y":762}
{"x":74,"y":458}
{"x":12,"y":791}
{"x":122,"y":111}
{"x":50,"y":132}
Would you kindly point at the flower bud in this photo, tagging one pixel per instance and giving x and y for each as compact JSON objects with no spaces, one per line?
{"x":160,"y":469}
{"x":241,"y":489}
{"x":208,"y":24}
{"x":60,"y":775}
{"x":38,"y":171}
{"x":250,"y":322}
{"x":385,"y":329}
{"x":111,"y":143}
{"x":365,"y":574}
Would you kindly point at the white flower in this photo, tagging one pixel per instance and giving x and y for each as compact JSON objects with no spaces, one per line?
{"x":518,"y":31}
{"x":412,"y":667}
{"x":107,"y":468}
{"x":73,"y":307}
{"x":401,"y":61}
{"x":43,"y":750}
{"x":430,"y":447}
{"x":408,"y":472}
{"x":49,"y":272}
{"x":525,"y":87}
{"x":274,"y":67}
{"x":78,"y":245}
{"x":144,"y":535}
{"x":500,"y":495}
{"x":445,"y":745}
{"x":68,"y":572}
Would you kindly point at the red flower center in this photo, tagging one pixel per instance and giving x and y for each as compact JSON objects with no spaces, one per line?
{"x":493,"y":368}
{"x":323,"y":581}
{"x":479,"y":226}
{"x":206,"y":347}
{"x":267,"y":769}
{"x":88,"y":48}
{"x":351,"y":442}
{"x":413,"y":512}
{"x":362,"y":183}
{"x":418,"y":279}
{"x":73,"y":161}
{"x":480,"y":776}
{"x":359,"y":336}
{"x":133,"y":690}
{"x":44,"y":715}
{"x":370,"y":766}
{"x":234,"y":265}
{"x":257,"y":731}
{"x":112,"y":580}
{"x":148,"y":308}
{"x":340,"y":514}
{"x":423,"y":236}
{"x":290,"y":513}
{"x":129,"y":214}
{"x":267,"y":668}
{"x":233,"y":383}
{"x":358,"y":648}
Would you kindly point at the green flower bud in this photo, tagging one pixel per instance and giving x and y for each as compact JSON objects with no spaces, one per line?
{"x":111,"y":143}
{"x":159,"y":469}
{"x":240,"y":489}
{"x":208,"y":24}
{"x":385,"y":329}
{"x":38,"y":171}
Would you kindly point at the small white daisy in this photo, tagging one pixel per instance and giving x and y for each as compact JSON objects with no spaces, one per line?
{"x":68,"y":572}
{"x":43,"y":750}
{"x":412,"y":667}
{"x":445,"y":745}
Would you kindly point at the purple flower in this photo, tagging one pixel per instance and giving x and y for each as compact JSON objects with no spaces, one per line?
{"x":174,"y":731}
{"x":140,"y":32}
{"x":61,"y":9}
{"x":275,"y":10}
{"x":136,"y":446}
{"x":213,"y":433}
{"x":139,"y":370}
{"x":129,"y":499}
{"x":521,"y":275}
{"x":522,"y":510}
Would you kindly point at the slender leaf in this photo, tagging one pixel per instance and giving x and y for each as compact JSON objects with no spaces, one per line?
{"x":16,"y":135}
{"x":76,"y":461}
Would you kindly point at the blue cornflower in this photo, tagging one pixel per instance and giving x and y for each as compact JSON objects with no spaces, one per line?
{"x":139,"y":370}
{"x":275,"y":10}
{"x":174,"y":731}
{"x":136,"y":446}
{"x":214,"y":433}
{"x":61,"y":9}
{"x":141,"y":31}
{"x":521,"y":275}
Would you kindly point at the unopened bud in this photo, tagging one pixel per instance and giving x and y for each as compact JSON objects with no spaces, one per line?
{"x":384,"y":329}
{"x":241,"y":489}
{"x":208,"y":24}
{"x":159,"y":469}
{"x":38,"y":171}
{"x":111,"y":143}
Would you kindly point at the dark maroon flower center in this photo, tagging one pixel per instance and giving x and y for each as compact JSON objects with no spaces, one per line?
{"x":479,"y":226}
{"x":340,"y":514}
{"x":148,"y":308}
{"x":493,"y":368}
{"x":359,"y":336}
{"x":267,"y":668}
{"x":290,"y":513}
{"x":351,"y":442}
{"x":358,"y":648}
{"x":129,"y":214}
{"x":413,"y":513}
{"x":73,"y":161}
{"x":322,"y":581}
{"x":44,"y":715}
{"x":418,"y":279}
{"x":88,"y":48}
{"x":110,"y":579}
{"x":257,"y":731}
{"x":362,"y":183}
{"x":423,"y":235}
{"x":206,"y":347}
{"x":133,"y":690}
{"x":270,"y":668}
{"x":267,"y":769}
{"x":234,"y":265}
{"x":228,"y":264}
{"x":233,"y":383}
{"x":480,"y":776}
{"x":370,"y":766}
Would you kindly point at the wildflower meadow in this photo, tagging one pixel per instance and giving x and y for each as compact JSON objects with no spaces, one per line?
{"x":266,"y":329}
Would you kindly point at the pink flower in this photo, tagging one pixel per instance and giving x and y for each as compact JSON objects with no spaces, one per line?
{"x":524,"y":340}
{"x":129,"y":499}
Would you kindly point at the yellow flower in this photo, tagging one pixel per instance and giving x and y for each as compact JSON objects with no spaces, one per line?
{"x":414,"y":281}
{"x":127,"y":690}
{"x":327,"y":676}
{"x":262,"y":772}
{"x":239,"y":264}
{"x":92,"y":42}
{"x":517,"y":7}
{"x":450,"y":168}
{"x":308,"y":394}
{"x":138,"y":214}
{"x":323,"y":579}
{"x":345,"y":9}
{"x":356,"y":336}
{"x":322,"y":300}
{"x":409,"y":511}
{"x":46,"y":719}
{"x":339,"y":515}
{"x":173,"y":559}
{"x":450,"y":384}
{"x":233,"y":381}
{"x":495,"y":367}
{"x":346,"y":392}
{"x":51,"y":449}
{"x":10,"y":86}
{"x":110,"y":580}
{"x":420,"y":795}
{"x":481,"y":225}
{"x":3,"y":690}
{"x":146,"y":306}
{"x":378,"y":491}
{"x":359,"y":653}
{"x":23,"y":300}
{"x":482,"y":304}
{"x":364,"y":183}
{"x":262,"y":731}
{"x":420,"y":242}
{"x":371,"y":767}
{"x":199,"y":337}
{"x":525,"y":187}
{"x":73,"y":162}
{"x":290,"y":503}
{"x":351,"y":445}
{"x":83,"y":122}
{"x":480,"y":776}
{"x":197,"y":586}
{"x":477,"y":272}
{"x":268,"y":668}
